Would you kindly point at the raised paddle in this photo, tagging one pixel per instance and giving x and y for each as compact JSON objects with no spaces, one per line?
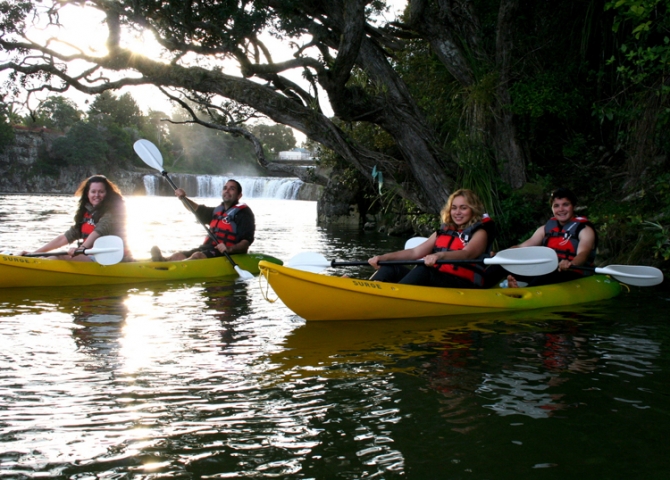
{"x":528,"y":261}
{"x":639,"y":276}
{"x":150,"y":155}
{"x":107,"y":250}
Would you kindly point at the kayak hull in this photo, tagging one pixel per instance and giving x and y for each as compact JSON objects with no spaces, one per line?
{"x":321,"y":297}
{"x":16,"y":271}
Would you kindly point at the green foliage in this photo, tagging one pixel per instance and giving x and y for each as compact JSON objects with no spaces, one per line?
{"x":13,"y":15}
{"x":85,"y":144}
{"x":656,"y":203}
{"x":48,"y":164}
{"x":477,"y":171}
{"x":122,"y":110}
{"x":56,"y":113}
{"x":545,"y":94}
{"x":661,"y":235}
{"x":637,"y":229}
{"x":520,"y":213}
{"x":275,"y":138}
{"x":6,"y":130}
{"x":436,"y":92}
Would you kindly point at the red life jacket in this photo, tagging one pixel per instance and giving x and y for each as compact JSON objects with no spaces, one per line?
{"x":87,"y":225}
{"x":450,"y":240}
{"x":565,"y":239}
{"x":223,"y":225}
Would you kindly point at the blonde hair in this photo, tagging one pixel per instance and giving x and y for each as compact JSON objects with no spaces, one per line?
{"x":473,"y":202}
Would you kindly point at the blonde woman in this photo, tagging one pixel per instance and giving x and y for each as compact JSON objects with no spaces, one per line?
{"x":466,"y":233}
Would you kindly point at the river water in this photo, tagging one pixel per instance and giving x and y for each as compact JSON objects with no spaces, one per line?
{"x":212,"y":380}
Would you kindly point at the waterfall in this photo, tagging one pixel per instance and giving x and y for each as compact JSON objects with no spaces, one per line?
{"x":150,"y":184}
{"x":210,"y":186}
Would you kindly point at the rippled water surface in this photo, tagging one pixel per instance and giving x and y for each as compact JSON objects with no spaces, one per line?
{"x":211,"y":380}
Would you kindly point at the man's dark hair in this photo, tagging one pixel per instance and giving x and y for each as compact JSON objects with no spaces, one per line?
{"x":563,"y":193}
{"x":239,"y":187}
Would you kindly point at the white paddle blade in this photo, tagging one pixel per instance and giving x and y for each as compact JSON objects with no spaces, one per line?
{"x":527,"y":261}
{"x":414,"y":242}
{"x":149,"y":154}
{"x":638,"y":276}
{"x":107,"y":250}
{"x":244,"y":275}
{"x":309,"y":262}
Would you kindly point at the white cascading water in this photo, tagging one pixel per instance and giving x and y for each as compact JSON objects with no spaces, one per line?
{"x":150,"y":185}
{"x":211,"y":185}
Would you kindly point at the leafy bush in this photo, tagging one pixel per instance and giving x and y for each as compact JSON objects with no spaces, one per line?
{"x":85,"y":144}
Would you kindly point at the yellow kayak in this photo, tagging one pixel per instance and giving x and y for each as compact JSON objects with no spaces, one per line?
{"x":320,"y":297}
{"x":16,"y":271}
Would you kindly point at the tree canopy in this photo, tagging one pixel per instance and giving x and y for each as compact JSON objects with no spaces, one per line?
{"x":56,"y":113}
{"x":456,"y":91}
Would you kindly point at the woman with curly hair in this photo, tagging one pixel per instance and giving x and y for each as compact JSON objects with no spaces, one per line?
{"x":101,"y":211}
{"x":466,"y":233}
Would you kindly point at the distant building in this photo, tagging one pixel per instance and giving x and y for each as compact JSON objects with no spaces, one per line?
{"x":296,"y":156}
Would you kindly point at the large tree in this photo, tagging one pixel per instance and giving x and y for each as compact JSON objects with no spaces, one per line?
{"x":341,"y":51}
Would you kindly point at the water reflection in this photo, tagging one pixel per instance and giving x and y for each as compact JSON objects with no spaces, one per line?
{"x":207,"y":379}
{"x":98,"y":334}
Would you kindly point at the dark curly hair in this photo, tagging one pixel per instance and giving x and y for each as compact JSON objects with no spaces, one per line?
{"x":113,"y":198}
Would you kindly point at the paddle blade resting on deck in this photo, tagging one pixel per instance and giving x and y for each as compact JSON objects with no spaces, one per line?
{"x":107,"y":250}
{"x":527,"y":261}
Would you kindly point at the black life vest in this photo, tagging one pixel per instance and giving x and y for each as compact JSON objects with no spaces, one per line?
{"x":223,"y":225}
{"x":449,"y":239}
{"x":565,"y":239}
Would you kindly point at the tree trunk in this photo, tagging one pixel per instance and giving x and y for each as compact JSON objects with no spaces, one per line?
{"x":452,"y":28}
{"x":509,"y":154}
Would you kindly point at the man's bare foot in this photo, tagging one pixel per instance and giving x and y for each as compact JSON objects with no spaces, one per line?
{"x":511,"y":282}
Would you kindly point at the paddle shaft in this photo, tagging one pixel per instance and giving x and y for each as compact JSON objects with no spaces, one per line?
{"x":190,"y":207}
{"x":83,"y":251}
{"x":335,"y":263}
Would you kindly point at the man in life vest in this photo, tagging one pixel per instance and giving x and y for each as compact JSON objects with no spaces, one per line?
{"x":573,"y":238}
{"x":232,"y":223}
